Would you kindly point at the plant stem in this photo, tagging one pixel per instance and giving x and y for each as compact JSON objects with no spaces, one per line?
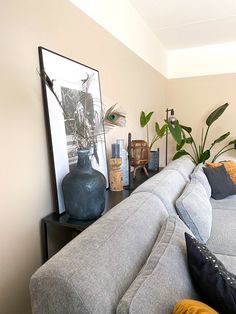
{"x":204,"y":143}
{"x":147,"y":135}
{"x":221,"y":152}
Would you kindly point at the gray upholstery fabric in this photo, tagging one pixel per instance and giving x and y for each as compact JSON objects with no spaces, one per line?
{"x":164,"y":279}
{"x":93,"y":271}
{"x":167,"y":185}
{"x":223,"y":233}
{"x":183,"y":165}
{"x":226,"y":203}
{"x":228,"y":261}
{"x":200,"y":176}
{"x":194,"y":208}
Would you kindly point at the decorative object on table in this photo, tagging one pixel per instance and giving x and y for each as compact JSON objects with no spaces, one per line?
{"x":130,"y":185}
{"x":220,"y":182}
{"x":153,"y":163}
{"x":115,"y":150}
{"x":124,"y":166}
{"x":230,"y":167}
{"x":83,"y":189}
{"x":215,"y":284}
{"x":139,"y":155}
{"x":182,"y":135}
{"x":114,"y":117}
{"x":169,"y":120}
{"x":116,"y":182}
{"x":78,"y":122}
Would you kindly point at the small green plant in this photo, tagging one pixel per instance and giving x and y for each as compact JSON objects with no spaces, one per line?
{"x":159,"y":131}
{"x":182,"y":135}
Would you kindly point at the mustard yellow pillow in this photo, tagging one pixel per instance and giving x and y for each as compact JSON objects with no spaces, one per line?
{"x":192,"y":307}
{"x":230,"y":167}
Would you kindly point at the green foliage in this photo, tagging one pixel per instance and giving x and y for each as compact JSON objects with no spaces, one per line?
{"x":159,"y":131}
{"x":182,"y":135}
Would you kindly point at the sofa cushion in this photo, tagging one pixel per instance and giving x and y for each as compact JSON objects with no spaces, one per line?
{"x":183,"y":165}
{"x":162,"y":185}
{"x":164,"y":279}
{"x":92,"y":272}
{"x":200,"y":176}
{"x":223,"y":232}
{"x":194,"y":208}
{"x":214,"y":282}
{"x":193,"y":307}
{"x":226,"y":203}
{"x":230,"y":167}
{"x":220,"y":182}
{"x":229,"y":262}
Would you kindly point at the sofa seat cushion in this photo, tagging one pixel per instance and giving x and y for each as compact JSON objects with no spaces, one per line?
{"x":162,"y":185}
{"x":223,"y":232}
{"x":226,"y":203}
{"x":183,"y":165}
{"x":200,"y":176}
{"x":229,"y":262}
{"x":164,"y":279}
{"x":92,"y":272}
{"x":194,"y":208}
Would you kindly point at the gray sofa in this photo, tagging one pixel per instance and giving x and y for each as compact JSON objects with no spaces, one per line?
{"x":133,"y":259}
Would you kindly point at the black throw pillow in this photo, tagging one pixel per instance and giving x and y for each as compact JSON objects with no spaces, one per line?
{"x":214,"y":283}
{"x":220,"y":182}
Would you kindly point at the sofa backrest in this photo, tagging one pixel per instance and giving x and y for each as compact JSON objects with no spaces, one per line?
{"x":170,"y":182}
{"x":92,"y":272}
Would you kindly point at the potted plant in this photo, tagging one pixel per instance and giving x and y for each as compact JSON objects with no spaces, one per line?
{"x":199,"y":151}
{"x":159,"y":133}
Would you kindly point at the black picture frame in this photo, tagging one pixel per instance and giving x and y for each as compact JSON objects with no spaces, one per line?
{"x":67,"y":74}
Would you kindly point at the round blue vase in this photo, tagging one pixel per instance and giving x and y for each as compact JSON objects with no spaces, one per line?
{"x":84,"y":190}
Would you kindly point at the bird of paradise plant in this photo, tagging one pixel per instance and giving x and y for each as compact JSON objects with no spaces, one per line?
{"x":200,"y":153}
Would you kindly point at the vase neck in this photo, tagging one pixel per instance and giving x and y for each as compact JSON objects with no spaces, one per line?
{"x":84,"y":161}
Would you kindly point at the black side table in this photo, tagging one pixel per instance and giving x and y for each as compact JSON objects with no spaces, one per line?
{"x":77,"y":226}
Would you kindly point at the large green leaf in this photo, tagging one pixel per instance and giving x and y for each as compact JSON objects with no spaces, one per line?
{"x":204,"y":156}
{"x":220,"y":138}
{"x":232,"y":142}
{"x":161,"y":131}
{"x":189,"y":140}
{"x":148,"y":116}
{"x":180,"y":153}
{"x":186,"y":128}
{"x":216,"y":114}
{"x":157,"y":128}
{"x":179,"y":146}
{"x":176,"y":131}
{"x":142,"y":119}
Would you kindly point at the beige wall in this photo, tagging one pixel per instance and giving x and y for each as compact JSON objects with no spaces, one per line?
{"x":194,"y":98}
{"x":25,"y":175}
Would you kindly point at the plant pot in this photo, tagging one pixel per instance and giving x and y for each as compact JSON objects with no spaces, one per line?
{"x":84,"y":190}
{"x":153,"y":163}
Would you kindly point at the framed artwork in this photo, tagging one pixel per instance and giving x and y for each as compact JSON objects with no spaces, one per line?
{"x":68,"y":77}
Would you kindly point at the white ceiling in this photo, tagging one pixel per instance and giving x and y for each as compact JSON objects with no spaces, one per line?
{"x":182,"y":24}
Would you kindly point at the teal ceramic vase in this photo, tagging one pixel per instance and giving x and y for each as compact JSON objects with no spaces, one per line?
{"x":84,"y":189}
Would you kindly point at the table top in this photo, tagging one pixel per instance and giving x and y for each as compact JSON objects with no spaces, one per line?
{"x":112,"y":199}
